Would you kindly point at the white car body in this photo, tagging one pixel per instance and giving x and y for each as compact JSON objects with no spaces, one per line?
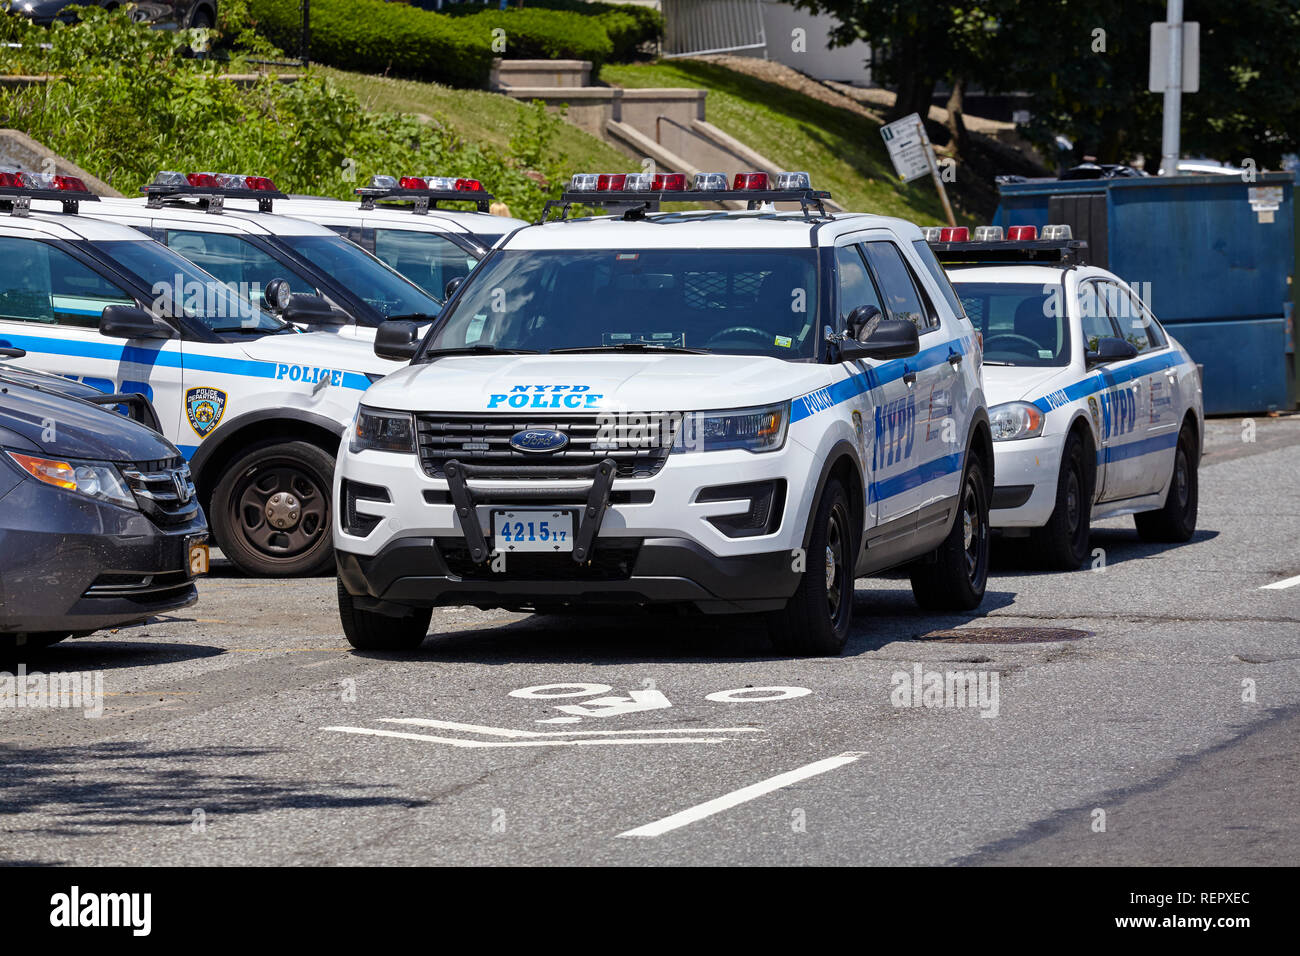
{"x":897,"y":432}
{"x":215,"y":395}
{"x":1132,"y":410}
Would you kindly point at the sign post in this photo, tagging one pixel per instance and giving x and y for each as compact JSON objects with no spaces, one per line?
{"x":910,"y":152}
{"x":1175,"y":70}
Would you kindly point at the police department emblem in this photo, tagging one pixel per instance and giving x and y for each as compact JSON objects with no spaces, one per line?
{"x":203,"y":407}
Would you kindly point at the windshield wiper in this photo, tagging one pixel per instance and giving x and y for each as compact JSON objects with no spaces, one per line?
{"x":411,"y":317}
{"x":632,"y":347}
{"x":479,"y":350}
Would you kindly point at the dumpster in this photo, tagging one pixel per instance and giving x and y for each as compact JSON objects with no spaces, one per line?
{"x":1214,"y":257}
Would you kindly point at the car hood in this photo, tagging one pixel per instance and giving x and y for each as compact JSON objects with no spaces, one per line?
{"x":69,"y":428}
{"x":577,"y":383}
{"x":11,"y":374}
{"x":1010,"y":383}
{"x":324,"y":350}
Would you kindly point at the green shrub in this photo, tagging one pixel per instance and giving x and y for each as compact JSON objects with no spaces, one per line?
{"x":629,"y":26}
{"x":544,"y":35}
{"x":374,"y":36}
{"x":123,"y":104}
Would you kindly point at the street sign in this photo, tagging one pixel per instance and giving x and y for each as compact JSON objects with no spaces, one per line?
{"x":909,"y":147}
{"x":1158,"y":77}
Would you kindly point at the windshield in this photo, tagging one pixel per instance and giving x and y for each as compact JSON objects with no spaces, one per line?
{"x":427,"y":259}
{"x":1023,"y":323}
{"x":179,"y":287}
{"x":386,"y":292}
{"x":734,"y":301}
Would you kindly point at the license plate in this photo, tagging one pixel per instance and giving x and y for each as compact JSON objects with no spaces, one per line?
{"x":198,"y":556}
{"x":532,"y":529}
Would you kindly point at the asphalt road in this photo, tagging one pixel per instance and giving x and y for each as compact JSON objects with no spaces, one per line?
{"x":245,"y":731}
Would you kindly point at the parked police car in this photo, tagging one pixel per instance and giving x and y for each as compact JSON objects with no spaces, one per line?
{"x":738,"y":411}
{"x":257,"y":407}
{"x":404,"y":221}
{"x":309,"y":275}
{"x":99,"y":526}
{"x":1096,"y":409}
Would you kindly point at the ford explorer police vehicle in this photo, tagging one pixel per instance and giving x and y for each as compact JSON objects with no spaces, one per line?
{"x":734,"y":411}
{"x":1096,"y":409}
{"x":325,"y":282}
{"x":404,"y":222}
{"x":257,"y":407}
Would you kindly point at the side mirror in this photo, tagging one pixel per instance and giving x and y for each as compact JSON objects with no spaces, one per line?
{"x":452,"y":286}
{"x":1110,"y":349}
{"x":131,"y":322}
{"x":397,"y":339}
{"x":890,"y":339}
{"x":311,"y":310}
{"x":862,"y":321}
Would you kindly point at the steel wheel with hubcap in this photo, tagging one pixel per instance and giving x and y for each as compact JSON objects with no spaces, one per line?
{"x":953,"y":578}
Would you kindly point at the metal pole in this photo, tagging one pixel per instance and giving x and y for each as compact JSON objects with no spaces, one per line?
{"x":1169,"y":148}
{"x":934,"y":174}
{"x":304,"y":55}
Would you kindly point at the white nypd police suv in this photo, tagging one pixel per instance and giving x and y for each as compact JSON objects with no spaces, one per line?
{"x":257,"y":407}
{"x":732,"y":411}
{"x":1096,"y":409}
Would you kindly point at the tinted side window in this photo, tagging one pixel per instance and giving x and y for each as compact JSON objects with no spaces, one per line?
{"x":1135,"y":323}
{"x":896,"y":283}
{"x":427,"y":260}
{"x":233,"y":260}
{"x":940,"y":277}
{"x":39,"y":283}
{"x":1094,"y":315}
{"x":855,"y":285}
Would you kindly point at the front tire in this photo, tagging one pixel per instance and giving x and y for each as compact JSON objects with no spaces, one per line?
{"x":954,"y":577}
{"x":815,"y":621}
{"x":1062,"y":544}
{"x":271,"y":510}
{"x":1176,"y":521}
{"x":372,"y":631}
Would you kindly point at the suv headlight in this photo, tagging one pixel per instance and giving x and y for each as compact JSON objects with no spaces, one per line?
{"x":94,"y":479}
{"x":1015,"y":420}
{"x":382,"y":431}
{"x":753,"y":429}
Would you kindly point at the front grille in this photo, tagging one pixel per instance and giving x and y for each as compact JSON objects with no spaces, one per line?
{"x":141,"y":588}
{"x":163,"y":489}
{"x":484,"y":440}
{"x":612,"y":559}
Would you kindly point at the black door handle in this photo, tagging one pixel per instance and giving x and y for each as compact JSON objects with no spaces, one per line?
{"x":909,"y":377}
{"x":954,"y":359}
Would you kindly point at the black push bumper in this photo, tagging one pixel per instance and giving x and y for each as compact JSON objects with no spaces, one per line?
{"x":431,"y":572}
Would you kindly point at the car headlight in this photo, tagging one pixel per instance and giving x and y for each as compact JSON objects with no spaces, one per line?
{"x":753,"y":429}
{"x":382,"y":431}
{"x":1015,"y":420}
{"x":94,"y":479}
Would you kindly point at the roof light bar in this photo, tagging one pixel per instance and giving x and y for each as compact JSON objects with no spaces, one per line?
{"x":639,"y":193}
{"x":19,"y":188}
{"x":214,"y":188}
{"x":1012,"y":244}
{"x":424,"y":192}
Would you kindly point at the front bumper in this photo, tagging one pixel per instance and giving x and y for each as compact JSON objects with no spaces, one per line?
{"x":1031,"y":465}
{"x":69,"y":564}
{"x":432,"y":572}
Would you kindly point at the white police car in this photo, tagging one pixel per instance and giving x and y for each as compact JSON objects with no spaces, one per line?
{"x":1096,"y":409}
{"x":257,"y":407}
{"x":327,"y":282}
{"x":735,"y":411}
{"x":404,"y":222}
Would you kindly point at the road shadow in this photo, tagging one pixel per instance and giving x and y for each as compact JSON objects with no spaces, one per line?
{"x":136,"y":784}
{"x":75,"y":655}
{"x":881,"y":616}
{"x":1118,"y":545}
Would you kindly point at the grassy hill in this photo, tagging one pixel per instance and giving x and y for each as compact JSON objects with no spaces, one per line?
{"x":842,"y":150}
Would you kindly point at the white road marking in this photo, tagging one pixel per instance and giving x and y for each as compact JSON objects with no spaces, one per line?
{"x":566,"y":690}
{"x":636,"y":700}
{"x":1281,"y":585}
{"x":741,"y":695}
{"x":743,"y":795}
{"x":503,"y":732}
{"x":459,"y":742}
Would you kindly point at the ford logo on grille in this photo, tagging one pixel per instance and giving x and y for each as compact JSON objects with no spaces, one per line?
{"x":538,"y":441}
